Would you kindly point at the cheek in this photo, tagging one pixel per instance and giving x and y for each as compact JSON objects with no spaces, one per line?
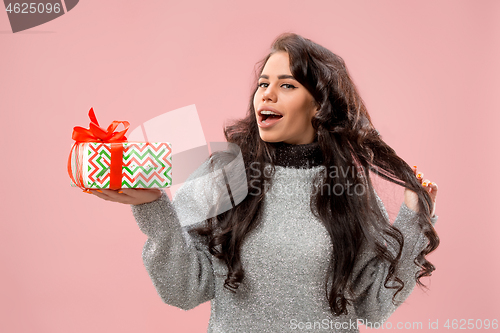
{"x":255,"y":99}
{"x":300,"y":121}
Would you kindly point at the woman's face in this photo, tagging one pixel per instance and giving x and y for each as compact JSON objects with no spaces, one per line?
{"x":280,"y":93}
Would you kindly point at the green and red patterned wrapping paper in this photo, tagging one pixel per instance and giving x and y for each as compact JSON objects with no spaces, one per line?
{"x":102,"y":158}
{"x":144,"y":165}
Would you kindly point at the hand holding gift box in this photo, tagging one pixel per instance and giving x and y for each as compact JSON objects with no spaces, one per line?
{"x":103,"y":159}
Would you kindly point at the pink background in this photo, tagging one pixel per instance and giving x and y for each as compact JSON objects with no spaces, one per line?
{"x":428,"y":71}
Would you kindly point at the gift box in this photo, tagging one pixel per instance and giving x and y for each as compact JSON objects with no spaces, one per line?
{"x":103,"y":159}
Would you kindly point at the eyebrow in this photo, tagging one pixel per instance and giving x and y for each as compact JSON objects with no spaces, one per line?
{"x":282,"y":76}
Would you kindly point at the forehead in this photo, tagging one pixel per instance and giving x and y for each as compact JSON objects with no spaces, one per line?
{"x":278,"y":63}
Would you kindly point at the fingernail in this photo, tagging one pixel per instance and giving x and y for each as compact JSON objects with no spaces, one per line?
{"x":415,"y":166}
{"x":99,"y":191}
{"x":87,"y":191}
{"x":120,"y":191}
{"x":419,"y":175}
{"x":424,"y":184}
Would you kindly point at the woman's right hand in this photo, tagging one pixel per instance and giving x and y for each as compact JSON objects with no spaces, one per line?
{"x":129,"y":196}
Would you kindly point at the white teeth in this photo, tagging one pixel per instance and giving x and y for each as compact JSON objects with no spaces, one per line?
{"x":269,"y":112}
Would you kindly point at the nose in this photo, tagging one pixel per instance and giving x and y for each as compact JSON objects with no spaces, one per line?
{"x":269,"y":94}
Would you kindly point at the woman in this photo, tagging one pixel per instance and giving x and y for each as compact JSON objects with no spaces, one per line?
{"x":319,"y":259}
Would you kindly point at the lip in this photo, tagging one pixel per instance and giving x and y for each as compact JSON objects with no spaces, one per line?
{"x":259,"y":117}
{"x":268,"y":108}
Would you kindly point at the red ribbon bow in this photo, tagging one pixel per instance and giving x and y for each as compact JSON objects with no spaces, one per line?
{"x":95,"y":134}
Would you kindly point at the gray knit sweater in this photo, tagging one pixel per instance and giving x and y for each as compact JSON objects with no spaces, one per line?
{"x":286,"y":261}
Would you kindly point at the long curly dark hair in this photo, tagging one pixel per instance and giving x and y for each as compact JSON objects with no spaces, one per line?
{"x":347,"y":139}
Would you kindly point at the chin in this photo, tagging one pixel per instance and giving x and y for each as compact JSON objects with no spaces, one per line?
{"x":269,"y":138}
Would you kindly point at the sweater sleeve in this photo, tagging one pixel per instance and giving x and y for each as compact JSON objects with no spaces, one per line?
{"x":177,"y":258}
{"x":374,"y":302}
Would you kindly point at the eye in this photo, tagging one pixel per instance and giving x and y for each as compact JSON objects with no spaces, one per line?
{"x":260,"y":85}
{"x":289,"y":86}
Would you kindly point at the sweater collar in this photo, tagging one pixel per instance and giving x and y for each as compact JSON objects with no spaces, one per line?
{"x":297,"y":156}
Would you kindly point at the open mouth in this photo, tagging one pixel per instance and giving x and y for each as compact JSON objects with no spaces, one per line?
{"x":269,"y":117}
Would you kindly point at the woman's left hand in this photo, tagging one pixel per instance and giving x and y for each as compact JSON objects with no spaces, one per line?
{"x":411,"y":198}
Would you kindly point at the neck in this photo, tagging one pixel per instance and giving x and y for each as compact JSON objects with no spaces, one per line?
{"x":297,"y":156}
